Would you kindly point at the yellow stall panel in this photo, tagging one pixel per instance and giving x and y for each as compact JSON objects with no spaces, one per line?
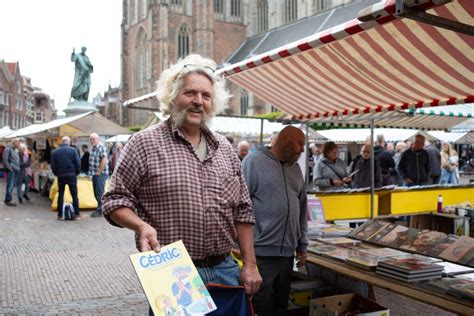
{"x":406,"y":202}
{"x":85,"y":194}
{"x":347,"y":206}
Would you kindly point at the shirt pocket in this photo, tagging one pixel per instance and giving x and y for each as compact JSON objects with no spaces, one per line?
{"x":230,"y":191}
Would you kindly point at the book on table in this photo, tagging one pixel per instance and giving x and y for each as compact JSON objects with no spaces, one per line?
{"x":410,"y":266}
{"x":369,"y":229}
{"x":171,"y":282}
{"x":461,"y":251}
{"x":339,"y":241}
{"x":410,"y":280}
{"x":423,"y":241}
{"x":363,"y":260}
{"x":442,"y":285}
{"x":463,"y":290}
{"x":451,"y":269}
{"x":384,"y":252}
{"x":441,"y":245}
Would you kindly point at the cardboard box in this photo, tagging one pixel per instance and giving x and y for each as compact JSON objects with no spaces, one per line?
{"x":346,"y":304}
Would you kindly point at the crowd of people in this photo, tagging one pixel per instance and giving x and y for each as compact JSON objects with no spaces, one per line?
{"x":403,"y":164}
{"x":66,"y":164}
{"x":177,"y":180}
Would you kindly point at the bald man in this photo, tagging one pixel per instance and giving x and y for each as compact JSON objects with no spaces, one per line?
{"x":278,"y":194}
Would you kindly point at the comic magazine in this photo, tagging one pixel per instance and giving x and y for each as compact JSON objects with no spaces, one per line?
{"x":171,"y":282}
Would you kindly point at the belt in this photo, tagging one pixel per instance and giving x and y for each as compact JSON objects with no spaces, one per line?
{"x":209,"y":261}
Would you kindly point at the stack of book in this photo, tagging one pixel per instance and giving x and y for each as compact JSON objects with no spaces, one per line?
{"x":323,"y":230}
{"x":409,"y":269}
{"x":462,"y":290}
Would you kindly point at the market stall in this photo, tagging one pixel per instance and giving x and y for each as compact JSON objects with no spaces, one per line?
{"x":42,"y":139}
{"x":374,"y":71}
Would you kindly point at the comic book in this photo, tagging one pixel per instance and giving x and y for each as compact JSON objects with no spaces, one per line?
{"x":423,"y":241}
{"x":462,"y":251}
{"x":382,"y":233}
{"x":315,"y":210}
{"x":399,"y":236}
{"x":369,"y":229}
{"x":339,"y":241}
{"x":441,"y":245}
{"x":171,"y":282}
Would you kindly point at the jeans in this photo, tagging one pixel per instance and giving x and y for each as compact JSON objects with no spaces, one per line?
{"x":12,"y":177}
{"x":272,"y":298}
{"x":19,"y":182}
{"x":98,"y":184}
{"x":26,"y":181}
{"x":448,"y":177}
{"x":71,"y":181}
{"x":227,"y":273}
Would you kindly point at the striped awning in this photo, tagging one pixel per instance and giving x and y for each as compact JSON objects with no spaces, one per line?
{"x":374,"y":64}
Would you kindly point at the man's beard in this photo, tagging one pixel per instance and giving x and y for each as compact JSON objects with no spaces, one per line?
{"x":179,"y":116}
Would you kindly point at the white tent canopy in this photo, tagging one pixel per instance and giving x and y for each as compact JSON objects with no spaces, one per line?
{"x":361,"y":135}
{"x":454,"y":137}
{"x":122,"y":138}
{"x":80,"y":125}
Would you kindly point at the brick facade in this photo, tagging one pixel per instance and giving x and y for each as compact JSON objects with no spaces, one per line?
{"x":156,"y":28}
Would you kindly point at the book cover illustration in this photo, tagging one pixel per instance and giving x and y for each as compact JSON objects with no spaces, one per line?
{"x":460,"y":251}
{"x":320,"y":249}
{"x":400,"y":237}
{"x":315,"y":210}
{"x":171,"y":282}
{"x":393,"y":235}
{"x":381,"y":233}
{"x":363,"y":260}
{"x":423,"y":241}
{"x":441,"y":245}
{"x":410,"y":265}
{"x":370,"y":230}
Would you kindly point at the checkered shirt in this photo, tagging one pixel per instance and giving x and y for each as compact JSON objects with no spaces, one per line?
{"x":98,"y":152}
{"x":160,"y":177}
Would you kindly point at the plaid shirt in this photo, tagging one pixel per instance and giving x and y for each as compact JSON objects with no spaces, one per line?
{"x":98,"y":152}
{"x":160,"y":177}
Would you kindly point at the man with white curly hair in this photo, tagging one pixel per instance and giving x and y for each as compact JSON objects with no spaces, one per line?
{"x":177,"y":180}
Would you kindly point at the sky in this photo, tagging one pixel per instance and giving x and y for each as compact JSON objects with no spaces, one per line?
{"x":40,"y":35}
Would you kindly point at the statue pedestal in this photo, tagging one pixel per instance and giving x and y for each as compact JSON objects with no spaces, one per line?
{"x":79,"y":107}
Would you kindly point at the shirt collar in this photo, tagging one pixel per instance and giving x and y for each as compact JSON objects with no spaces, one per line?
{"x":177,"y":135}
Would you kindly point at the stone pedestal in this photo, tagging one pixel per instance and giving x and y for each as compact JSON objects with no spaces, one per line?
{"x":79,"y":107}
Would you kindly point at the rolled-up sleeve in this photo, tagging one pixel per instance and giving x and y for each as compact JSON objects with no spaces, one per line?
{"x":245,"y":213}
{"x":125,"y":180}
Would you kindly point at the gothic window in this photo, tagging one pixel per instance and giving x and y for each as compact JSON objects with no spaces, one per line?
{"x":235,"y":7}
{"x":262,"y":16}
{"x":141,"y":65}
{"x":218,"y":6}
{"x":291,"y":10}
{"x":273,"y":109}
{"x":183,"y":41}
{"x":244,"y":102}
{"x":321,"y":5}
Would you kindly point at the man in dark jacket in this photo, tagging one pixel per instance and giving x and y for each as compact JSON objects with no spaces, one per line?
{"x":414,"y":166}
{"x":66,"y":165}
{"x":385,"y":160}
{"x":361,"y":166}
{"x":435,"y":163}
{"x":278,"y":194}
{"x":85,"y":159}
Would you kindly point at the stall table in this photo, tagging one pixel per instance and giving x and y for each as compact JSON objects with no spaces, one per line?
{"x":85,"y":193}
{"x":442,"y":301}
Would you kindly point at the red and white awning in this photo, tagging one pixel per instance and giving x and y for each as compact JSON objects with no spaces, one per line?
{"x":381,"y":65}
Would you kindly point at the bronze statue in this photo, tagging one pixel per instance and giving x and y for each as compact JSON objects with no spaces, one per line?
{"x":82,"y":77}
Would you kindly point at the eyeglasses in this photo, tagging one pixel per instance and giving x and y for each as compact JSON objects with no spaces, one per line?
{"x":190,"y":66}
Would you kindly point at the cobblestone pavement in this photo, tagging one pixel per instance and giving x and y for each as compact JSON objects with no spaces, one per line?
{"x":51,"y":267}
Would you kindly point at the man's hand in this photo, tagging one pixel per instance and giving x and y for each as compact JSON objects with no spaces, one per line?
{"x":147,"y":238}
{"x":337,"y":183}
{"x":250,"y":278}
{"x":347,"y":179}
{"x":408,"y":180}
{"x":300,"y":259}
